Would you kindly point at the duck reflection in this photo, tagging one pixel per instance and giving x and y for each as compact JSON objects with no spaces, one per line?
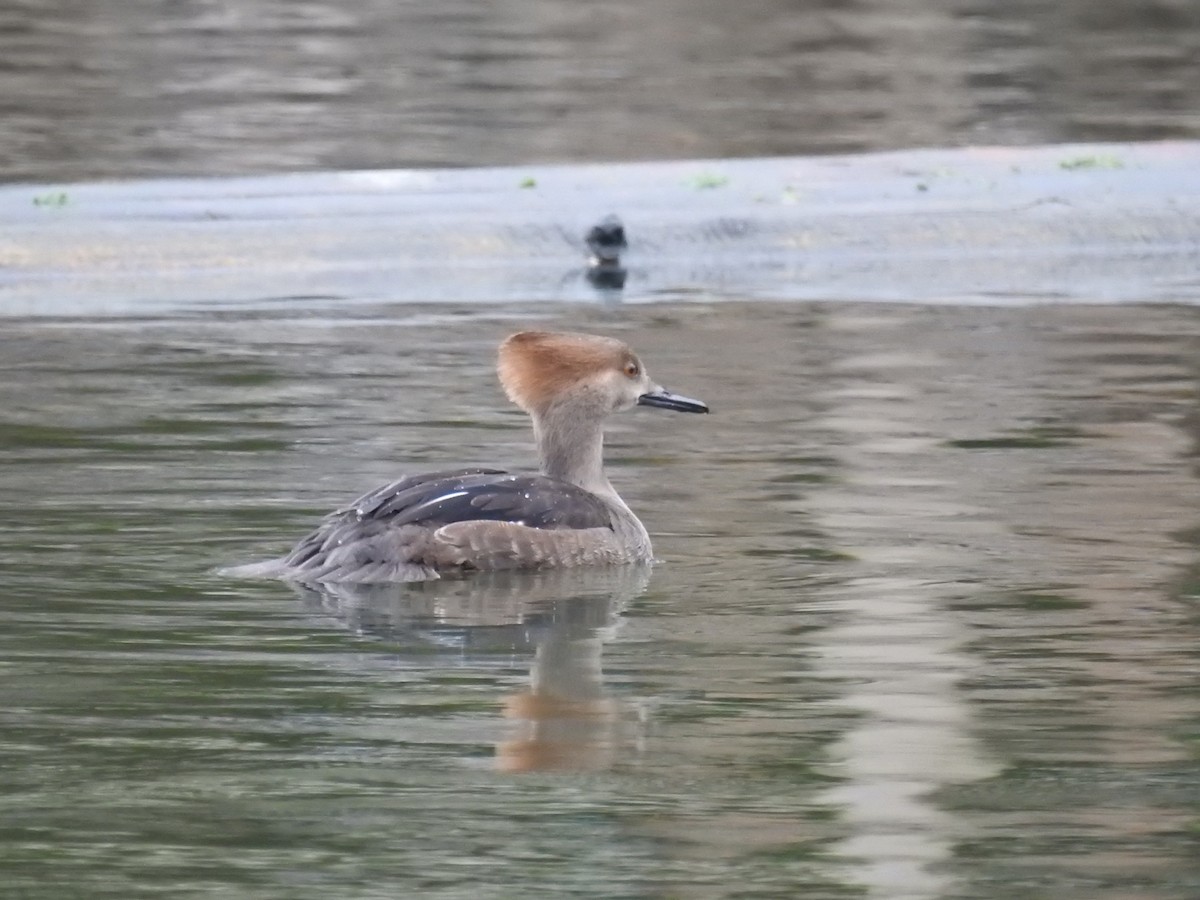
{"x":606,"y":278}
{"x":565,"y":720}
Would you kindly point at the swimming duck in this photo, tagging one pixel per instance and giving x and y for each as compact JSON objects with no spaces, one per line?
{"x":453,"y":522}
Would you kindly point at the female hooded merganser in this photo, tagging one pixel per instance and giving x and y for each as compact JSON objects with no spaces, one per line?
{"x":453,"y":522}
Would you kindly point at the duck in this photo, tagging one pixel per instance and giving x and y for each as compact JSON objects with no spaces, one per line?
{"x":453,"y":522}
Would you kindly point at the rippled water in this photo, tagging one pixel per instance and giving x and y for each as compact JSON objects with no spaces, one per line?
{"x":927,"y":621}
{"x":128,"y":89}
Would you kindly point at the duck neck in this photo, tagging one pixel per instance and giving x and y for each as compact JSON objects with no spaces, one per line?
{"x":571,"y":448}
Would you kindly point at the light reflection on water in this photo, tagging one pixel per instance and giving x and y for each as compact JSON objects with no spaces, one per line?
{"x":925,"y":625}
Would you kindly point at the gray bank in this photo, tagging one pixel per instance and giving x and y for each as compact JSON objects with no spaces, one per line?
{"x":1070,"y":223}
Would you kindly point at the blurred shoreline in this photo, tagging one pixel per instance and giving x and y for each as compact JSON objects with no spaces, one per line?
{"x":1089,"y":223}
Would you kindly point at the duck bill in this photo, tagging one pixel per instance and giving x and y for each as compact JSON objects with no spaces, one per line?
{"x":666,"y":400}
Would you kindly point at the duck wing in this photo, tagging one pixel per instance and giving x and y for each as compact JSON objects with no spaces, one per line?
{"x":535,"y":501}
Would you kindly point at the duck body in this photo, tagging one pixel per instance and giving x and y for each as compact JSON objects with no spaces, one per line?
{"x":459,"y":521}
{"x":426,"y":526}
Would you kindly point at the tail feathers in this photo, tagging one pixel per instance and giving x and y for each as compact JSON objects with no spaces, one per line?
{"x":365,"y":572}
{"x":271,"y":568}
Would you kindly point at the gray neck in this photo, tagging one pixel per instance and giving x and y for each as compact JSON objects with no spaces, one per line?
{"x":571,"y":448}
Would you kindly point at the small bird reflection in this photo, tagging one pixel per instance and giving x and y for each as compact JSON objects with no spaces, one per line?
{"x":607,"y":278}
{"x":565,"y":720}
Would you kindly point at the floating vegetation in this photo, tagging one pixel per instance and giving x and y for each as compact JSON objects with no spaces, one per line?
{"x":707,"y":180}
{"x":527,"y":182}
{"x":53,"y":199}
{"x":1098,"y":161}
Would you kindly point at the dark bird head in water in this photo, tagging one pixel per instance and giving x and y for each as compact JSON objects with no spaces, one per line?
{"x":606,"y":240}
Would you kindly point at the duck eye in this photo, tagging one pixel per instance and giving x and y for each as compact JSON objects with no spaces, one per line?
{"x":632,"y":370}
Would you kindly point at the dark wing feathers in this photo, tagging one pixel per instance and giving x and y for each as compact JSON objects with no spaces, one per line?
{"x":441,"y":498}
{"x":533,"y":500}
{"x":391,"y":498}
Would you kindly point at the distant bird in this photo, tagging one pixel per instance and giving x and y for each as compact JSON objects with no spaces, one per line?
{"x":606,"y":240}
